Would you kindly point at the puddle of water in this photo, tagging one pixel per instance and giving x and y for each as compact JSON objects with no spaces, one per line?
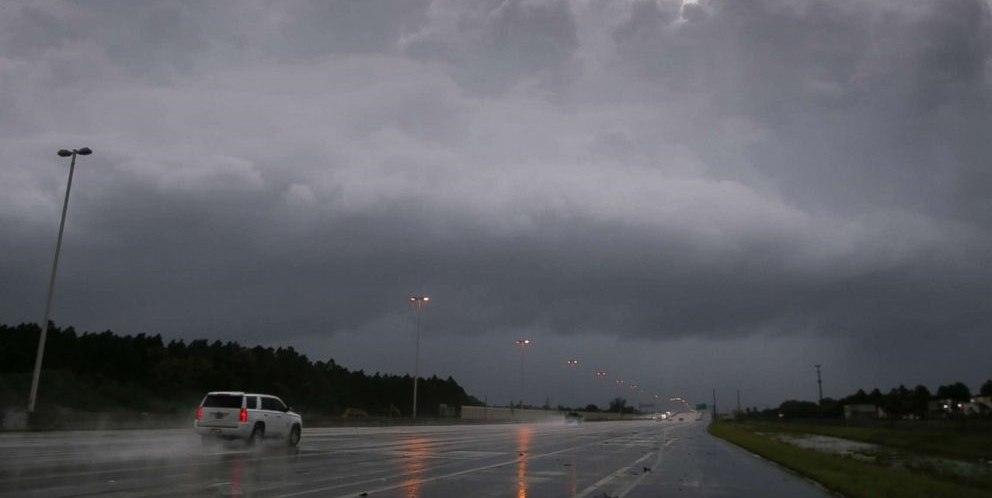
{"x":980,"y":471}
{"x":827,"y":444}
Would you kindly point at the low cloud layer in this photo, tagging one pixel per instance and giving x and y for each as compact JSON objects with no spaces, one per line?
{"x":687,"y":181}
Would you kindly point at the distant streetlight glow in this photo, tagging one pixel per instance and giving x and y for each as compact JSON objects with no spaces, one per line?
{"x":85,"y":151}
{"x":418,"y":303}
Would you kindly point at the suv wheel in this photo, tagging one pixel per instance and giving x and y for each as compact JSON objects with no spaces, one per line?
{"x":294,"y":436}
{"x":257,"y":433}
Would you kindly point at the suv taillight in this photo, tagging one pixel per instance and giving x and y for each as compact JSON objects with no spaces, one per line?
{"x":244,"y":415}
{"x":199,"y":412}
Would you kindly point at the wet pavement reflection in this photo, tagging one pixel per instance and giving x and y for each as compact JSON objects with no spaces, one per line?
{"x":523,"y":447}
{"x":537,"y":461}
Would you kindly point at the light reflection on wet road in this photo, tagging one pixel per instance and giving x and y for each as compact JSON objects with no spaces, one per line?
{"x":523,"y":447}
{"x":630,"y":459}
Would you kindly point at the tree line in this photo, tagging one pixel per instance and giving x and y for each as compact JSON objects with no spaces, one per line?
{"x":898,"y":403}
{"x":108,"y":372}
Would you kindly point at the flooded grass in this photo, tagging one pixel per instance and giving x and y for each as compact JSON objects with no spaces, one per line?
{"x":978,"y":472}
{"x":965,"y":442}
{"x":859,"y":469}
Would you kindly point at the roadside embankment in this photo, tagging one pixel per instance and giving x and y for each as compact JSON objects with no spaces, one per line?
{"x":869,"y":471}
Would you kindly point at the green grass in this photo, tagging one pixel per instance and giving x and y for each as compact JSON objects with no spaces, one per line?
{"x":847,"y":476}
{"x":969,"y":443}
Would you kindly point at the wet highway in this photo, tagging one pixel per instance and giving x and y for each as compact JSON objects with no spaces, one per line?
{"x":630,"y":459}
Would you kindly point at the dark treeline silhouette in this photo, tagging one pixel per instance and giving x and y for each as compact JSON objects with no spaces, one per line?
{"x":106,"y":372}
{"x":899,"y":403}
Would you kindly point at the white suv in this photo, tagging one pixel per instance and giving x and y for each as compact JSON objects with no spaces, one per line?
{"x":238,"y":415}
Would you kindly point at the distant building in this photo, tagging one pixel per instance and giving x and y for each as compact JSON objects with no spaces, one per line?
{"x":941,"y":407}
{"x":981,"y":405}
{"x":863,"y":411}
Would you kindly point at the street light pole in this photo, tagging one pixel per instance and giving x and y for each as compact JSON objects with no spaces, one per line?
{"x":819,"y":383}
{"x":85,"y":151}
{"x":620,"y":399}
{"x":572,"y":363}
{"x":601,"y":374}
{"x":522,"y":343}
{"x":418,"y":303}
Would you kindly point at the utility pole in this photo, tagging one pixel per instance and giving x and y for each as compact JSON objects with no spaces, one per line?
{"x":819,"y":382}
{"x":714,"y":403}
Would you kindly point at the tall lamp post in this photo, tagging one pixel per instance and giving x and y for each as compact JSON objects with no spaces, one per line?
{"x":572,"y":363}
{"x":601,"y":374}
{"x":418,"y":303}
{"x":620,"y":399}
{"x":522,"y":343}
{"x":819,"y":383}
{"x":85,"y":151}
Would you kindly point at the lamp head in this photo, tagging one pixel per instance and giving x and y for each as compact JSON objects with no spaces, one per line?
{"x":85,"y":151}
{"x":64,"y":153}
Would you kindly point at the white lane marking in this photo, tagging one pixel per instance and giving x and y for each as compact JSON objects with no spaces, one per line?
{"x":614,"y":476}
{"x":637,"y":482}
{"x":625,"y":472}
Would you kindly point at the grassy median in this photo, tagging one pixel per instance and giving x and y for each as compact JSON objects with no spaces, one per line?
{"x":848,"y":476}
{"x":965,"y":442}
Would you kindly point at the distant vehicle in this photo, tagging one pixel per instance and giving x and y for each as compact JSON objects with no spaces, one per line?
{"x":659,"y":416}
{"x":573,"y":418}
{"x":248,"y":416}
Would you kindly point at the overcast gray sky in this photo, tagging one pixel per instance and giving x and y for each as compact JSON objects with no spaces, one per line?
{"x":716,"y":195}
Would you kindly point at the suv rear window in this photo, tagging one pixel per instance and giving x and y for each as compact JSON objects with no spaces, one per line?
{"x":272,"y":404}
{"x":222,"y":401}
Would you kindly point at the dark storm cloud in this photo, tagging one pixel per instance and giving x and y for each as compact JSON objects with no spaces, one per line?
{"x":805,"y":176}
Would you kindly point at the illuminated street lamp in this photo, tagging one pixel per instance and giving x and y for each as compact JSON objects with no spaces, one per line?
{"x":522,"y":343}
{"x":85,"y":151}
{"x":572,"y":363}
{"x":418,"y":303}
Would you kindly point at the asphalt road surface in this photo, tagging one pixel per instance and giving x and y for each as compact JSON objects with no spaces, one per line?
{"x":629,"y":459}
